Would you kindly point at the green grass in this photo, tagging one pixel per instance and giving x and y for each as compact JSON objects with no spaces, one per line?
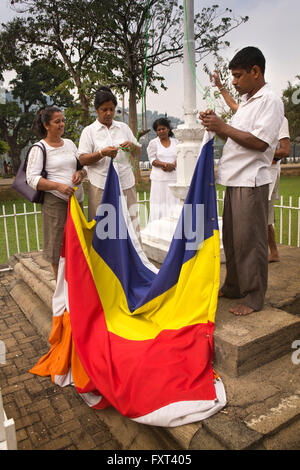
{"x":26,"y":243}
{"x":34,"y":224}
{"x":289,"y":186}
{"x":143,"y":208}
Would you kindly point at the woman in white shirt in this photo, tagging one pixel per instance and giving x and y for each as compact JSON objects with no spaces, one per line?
{"x":102,"y":140}
{"x":162,"y":156}
{"x":62,"y":176}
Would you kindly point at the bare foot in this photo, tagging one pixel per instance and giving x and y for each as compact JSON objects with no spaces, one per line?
{"x":273,"y":259}
{"x":241,"y":310}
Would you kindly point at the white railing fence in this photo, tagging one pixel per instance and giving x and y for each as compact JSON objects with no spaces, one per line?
{"x":8,"y":440}
{"x":287,"y":219}
{"x":21,"y":231}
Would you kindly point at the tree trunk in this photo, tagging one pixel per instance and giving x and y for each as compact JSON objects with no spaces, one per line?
{"x":123,"y":108}
{"x":14,"y":155}
{"x":85,"y":109}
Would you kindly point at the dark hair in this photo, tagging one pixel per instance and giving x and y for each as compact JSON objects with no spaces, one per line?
{"x":44,"y":117}
{"x":246,"y":59}
{"x":163,"y":122}
{"x":102,"y":95}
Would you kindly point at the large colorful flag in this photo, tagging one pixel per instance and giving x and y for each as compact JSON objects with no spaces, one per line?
{"x":129,"y":335}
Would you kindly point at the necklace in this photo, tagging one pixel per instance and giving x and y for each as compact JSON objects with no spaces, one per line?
{"x":54,"y":143}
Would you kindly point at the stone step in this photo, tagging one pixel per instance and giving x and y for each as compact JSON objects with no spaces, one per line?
{"x":262,"y":412}
{"x":36,"y":273}
{"x":242,"y":344}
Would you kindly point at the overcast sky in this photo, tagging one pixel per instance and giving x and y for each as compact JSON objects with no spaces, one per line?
{"x":273,"y":26}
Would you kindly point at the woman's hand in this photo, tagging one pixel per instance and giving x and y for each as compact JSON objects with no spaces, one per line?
{"x":78,"y":176}
{"x":168,"y":167}
{"x":65,"y":189}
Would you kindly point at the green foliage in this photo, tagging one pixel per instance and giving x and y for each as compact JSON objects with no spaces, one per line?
{"x":105,"y":42}
{"x":4,"y":147}
{"x":75,"y":122}
{"x":15,"y":125}
{"x":31,"y":89}
{"x":291,"y":100}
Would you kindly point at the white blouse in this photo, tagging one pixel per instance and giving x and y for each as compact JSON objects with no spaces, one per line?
{"x":157,"y":151}
{"x":96,"y":137}
{"x":61,"y":164}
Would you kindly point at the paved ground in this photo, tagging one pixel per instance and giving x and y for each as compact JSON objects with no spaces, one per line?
{"x":47,"y":417}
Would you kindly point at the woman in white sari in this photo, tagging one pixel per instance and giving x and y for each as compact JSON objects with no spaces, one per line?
{"x":162,"y":156}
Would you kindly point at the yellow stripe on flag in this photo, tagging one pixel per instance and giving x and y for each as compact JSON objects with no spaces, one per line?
{"x":191,"y":301}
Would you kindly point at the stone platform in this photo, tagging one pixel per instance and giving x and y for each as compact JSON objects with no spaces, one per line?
{"x":254,"y":356}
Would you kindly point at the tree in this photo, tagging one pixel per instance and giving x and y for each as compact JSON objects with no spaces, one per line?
{"x":119,"y":43}
{"x":15,"y":129}
{"x":28,"y":93}
{"x":151,"y":33}
{"x":62,"y":31}
{"x":4,"y":148}
{"x":291,"y":100}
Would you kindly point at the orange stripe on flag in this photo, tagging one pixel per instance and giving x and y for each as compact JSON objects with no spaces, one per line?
{"x":62,"y":354}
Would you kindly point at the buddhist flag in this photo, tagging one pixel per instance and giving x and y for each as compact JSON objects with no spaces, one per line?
{"x":129,"y":335}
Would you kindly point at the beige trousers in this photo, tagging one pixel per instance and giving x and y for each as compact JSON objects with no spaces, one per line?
{"x":245,"y":241}
{"x":95,"y":197}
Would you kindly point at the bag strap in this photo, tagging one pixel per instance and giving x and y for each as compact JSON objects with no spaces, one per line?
{"x":43,"y":149}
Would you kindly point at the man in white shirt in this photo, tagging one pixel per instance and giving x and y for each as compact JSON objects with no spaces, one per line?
{"x":251,"y":140}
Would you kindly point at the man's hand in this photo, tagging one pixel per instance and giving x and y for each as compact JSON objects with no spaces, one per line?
{"x":127,"y":146}
{"x":212,"y":122}
{"x":109,"y":151}
{"x":216,"y":79}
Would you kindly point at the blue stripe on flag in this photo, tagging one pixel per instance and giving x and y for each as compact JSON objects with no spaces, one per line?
{"x":140,"y":284}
